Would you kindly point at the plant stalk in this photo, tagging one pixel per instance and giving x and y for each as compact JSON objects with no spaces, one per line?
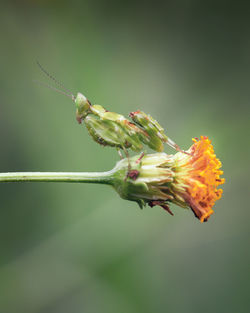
{"x":68,"y":177}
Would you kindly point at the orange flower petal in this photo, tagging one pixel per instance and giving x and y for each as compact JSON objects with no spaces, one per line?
{"x":202,"y":178}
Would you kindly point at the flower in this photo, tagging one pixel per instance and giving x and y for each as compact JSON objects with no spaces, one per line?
{"x":189,"y":180}
{"x":199,"y":175}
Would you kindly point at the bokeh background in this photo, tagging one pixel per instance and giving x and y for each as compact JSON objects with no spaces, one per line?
{"x":80,"y":248}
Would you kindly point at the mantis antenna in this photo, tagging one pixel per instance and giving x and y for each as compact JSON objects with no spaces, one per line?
{"x":66,"y":91}
{"x":55,"y":89}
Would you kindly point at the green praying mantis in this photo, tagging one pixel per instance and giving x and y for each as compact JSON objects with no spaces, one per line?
{"x":113,"y":129}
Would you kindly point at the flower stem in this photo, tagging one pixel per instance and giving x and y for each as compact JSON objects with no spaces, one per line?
{"x":69,"y":177}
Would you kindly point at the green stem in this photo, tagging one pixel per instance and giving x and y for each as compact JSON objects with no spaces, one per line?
{"x":69,"y":177}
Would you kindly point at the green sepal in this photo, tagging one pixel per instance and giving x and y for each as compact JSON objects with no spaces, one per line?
{"x":141,"y":203}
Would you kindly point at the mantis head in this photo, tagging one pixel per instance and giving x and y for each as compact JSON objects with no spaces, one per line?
{"x":82,"y":103}
{"x":82,"y":107}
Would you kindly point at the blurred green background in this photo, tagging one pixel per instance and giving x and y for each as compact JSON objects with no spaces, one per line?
{"x":80,"y":248}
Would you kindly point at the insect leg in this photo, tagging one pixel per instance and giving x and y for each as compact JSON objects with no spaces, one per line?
{"x":120,"y":154}
{"x":129,"y":165}
{"x":172,"y":144}
{"x":127,"y":155}
{"x":140,"y":157}
{"x":132,"y":174}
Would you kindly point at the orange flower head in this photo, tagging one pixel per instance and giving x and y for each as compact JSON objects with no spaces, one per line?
{"x":200,"y":174}
{"x":189,"y":179}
